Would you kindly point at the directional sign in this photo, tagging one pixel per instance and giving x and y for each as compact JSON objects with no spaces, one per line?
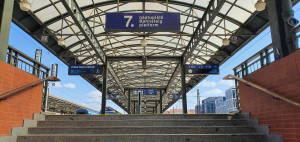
{"x":84,"y":69}
{"x":143,"y":22}
{"x":175,"y":96}
{"x":144,"y":91}
{"x":202,"y":69}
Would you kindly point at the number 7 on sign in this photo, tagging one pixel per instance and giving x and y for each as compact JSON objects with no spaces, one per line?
{"x":128,"y":21}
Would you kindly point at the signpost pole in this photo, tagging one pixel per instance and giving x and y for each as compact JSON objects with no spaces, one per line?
{"x":118,"y":6}
{"x":183,"y":87}
{"x":104,"y":89}
{"x":156,"y":107}
{"x":129,"y":100}
{"x":134,"y":107}
{"x":139,"y":104}
{"x":160,"y":101}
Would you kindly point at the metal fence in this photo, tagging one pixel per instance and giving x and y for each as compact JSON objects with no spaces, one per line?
{"x":20,"y":60}
{"x":257,"y":61}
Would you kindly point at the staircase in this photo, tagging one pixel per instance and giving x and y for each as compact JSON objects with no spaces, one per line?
{"x":148,"y":128}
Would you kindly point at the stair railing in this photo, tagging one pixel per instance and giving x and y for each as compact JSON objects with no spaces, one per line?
{"x":276,"y":95}
{"x":12,"y":92}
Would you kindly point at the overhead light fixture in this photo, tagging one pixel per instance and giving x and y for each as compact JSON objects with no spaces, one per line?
{"x":260,"y":5}
{"x":25,"y":5}
{"x":226,"y":41}
{"x":144,"y":73}
{"x":144,"y":42}
{"x":61,"y":41}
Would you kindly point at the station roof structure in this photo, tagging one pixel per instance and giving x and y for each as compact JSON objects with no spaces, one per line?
{"x":204,"y":24}
{"x":56,"y":104}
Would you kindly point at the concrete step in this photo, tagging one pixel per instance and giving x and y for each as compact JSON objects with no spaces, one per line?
{"x":144,"y":138}
{"x":127,"y":117}
{"x":142,"y":122}
{"x":145,"y":130}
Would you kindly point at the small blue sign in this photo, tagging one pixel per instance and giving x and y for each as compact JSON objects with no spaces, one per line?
{"x":142,"y":22}
{"x":203,"y":66}
{"x":175,"y":96}
{"x":202,"y":69}
{"x":144,"y":91}
{"x":84,"y":69}
{"x":112,"y":96}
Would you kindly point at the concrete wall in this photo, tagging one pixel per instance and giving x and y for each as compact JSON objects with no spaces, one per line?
{"x":282,"y":77}
{"x":21,"y":105}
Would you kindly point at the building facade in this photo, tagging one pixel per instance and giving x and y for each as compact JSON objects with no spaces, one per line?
{"x":231,"y":100}
{"x":227,"y":104}
{"x":197,"y":109}
{"x":209,"y":104}
{"x":221,"y":105}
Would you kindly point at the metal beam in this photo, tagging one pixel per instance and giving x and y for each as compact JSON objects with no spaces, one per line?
{"x":208,"y":17}
{"x":139,"y":58}
{"x":205,"y":22}
{"x":79,"y":19}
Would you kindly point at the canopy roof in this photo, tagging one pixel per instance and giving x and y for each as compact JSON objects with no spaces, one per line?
{"x":123,"y":49}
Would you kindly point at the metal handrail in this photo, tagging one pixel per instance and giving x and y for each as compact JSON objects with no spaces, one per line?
{"x":26,"y":63}
{"x":288,"y":100}
{"x":9,"y":93}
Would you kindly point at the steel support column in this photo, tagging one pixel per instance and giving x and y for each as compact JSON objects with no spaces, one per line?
{"x":160,"y":102}
{"x":104,"y":89}
{"x":129,"y":101}
{"x":6,"y":10}
{"x":279,"y":13}
{"x":183,"y":87}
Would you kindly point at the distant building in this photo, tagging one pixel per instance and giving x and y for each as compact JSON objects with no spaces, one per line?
{"x":228,"y":103}
{"x":209,"y":105}
{"x":174,"y":111}
{"x":197,"y":109}
{"x":191,"y":111}
{"x":231,"y":101}
{"x":221,"y":105}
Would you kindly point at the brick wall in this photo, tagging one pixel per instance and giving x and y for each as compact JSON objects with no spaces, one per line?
{"x":282,"y":77}
{"x":21,"y":105}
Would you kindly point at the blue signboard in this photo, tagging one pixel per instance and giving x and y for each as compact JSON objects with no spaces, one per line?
{"x":175,"y":96}
{"x":144,"y":91}
{"x":142,"y":22}
{"x":112,"y":96}
{"x":202,"y":69}
{"x":84,"y":69}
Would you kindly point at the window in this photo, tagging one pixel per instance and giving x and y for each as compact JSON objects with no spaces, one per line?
{"x":233,"y":94}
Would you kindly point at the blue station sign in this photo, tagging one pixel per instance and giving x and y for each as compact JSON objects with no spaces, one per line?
{"x":142,"y":22}
{"x":144,"y":91}
{"x":175,"y":96}
{"x":84,"y":69}
{"x":202,"y":69}
{"x":112,"y":96}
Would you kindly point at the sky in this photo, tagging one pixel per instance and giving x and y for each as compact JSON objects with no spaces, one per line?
{"x":76,"y":89}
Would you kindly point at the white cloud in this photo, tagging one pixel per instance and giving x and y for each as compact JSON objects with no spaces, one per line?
{"x":213,"y":92}
{"x":206,"y":83}
{"x":94,"y":96}
{"x":229,"y":83}
{"x":70,"y":85}
{"x":56,"y":84}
